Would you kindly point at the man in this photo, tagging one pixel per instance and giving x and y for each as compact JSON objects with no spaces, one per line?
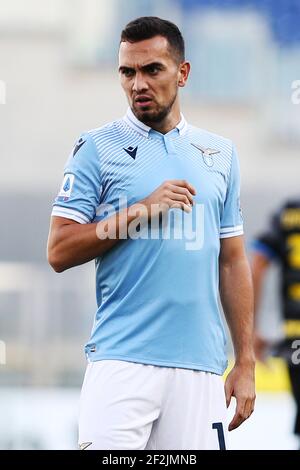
{"x":280,"y":243}
{"x":157,"y":349}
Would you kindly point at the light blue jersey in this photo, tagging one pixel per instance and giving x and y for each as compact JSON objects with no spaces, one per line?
{"x":157,"y":295}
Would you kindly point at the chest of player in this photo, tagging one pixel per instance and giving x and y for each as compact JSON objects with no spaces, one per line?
{"x":133,"y":172}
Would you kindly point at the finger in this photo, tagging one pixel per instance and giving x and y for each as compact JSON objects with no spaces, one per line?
{"x":183,"y":191}
{"x":180,"y":205}
{"x":248,"y":406}
{"x":181,"y":198}
{"x":184,"y":184}
{"x":252,"y":403}
{"x":239,"y":416}
{"x":237,"y":420}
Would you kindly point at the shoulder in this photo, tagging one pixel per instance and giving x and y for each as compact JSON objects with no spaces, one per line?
{"x":92,"y":140}
{"x":107,"y":136}
{"x":102,"y":132}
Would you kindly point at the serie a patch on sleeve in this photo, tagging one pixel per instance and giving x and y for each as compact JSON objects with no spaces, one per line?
{"x":66,"y":188}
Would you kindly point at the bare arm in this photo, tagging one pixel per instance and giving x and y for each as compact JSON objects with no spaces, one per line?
{"x":236,"y":294}
{"x":71,"y":244}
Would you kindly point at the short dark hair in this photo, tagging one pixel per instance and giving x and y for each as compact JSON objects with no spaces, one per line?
{"x":146,"y":27}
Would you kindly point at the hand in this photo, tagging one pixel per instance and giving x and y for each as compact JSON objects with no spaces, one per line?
{"x":170,"y":194}
{"x":240,"y":383}
{"x":260,"y":347}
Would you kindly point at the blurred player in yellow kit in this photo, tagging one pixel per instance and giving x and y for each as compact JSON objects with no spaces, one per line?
{"x":280,"y":243}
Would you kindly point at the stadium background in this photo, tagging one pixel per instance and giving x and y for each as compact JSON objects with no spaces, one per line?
{"x":58,"y":64}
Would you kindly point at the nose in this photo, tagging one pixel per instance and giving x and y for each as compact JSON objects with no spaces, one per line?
{"x":139,"y":83}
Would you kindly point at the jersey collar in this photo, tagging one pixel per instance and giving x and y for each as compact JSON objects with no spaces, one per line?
{"x":140,"y":127}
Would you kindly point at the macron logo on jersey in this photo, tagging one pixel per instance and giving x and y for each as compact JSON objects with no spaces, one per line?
{"x":66,"y":188}
{"x":131,"y":151}
{"x":78,"y":146}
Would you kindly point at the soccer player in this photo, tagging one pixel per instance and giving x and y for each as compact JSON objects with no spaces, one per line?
{"x":280,"y":243}
{"x":155,"y":201}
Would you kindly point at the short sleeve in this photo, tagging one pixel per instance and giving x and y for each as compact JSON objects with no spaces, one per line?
{"x":232,"y":219}
{"x":269,"y":243}
{"x":79,"y":195}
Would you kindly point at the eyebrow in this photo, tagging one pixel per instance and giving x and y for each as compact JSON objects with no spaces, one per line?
{"x":144,"y":67}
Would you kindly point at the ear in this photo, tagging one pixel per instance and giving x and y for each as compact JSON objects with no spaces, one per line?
{"x":183,"y":73}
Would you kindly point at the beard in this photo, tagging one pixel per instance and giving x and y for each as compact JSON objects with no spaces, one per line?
{"x":149,"y":117}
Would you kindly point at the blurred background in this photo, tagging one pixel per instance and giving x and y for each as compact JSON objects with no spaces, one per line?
{"x":58,"y":77}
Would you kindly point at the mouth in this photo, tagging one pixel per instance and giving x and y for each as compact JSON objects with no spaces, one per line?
{"x":142,"y":101}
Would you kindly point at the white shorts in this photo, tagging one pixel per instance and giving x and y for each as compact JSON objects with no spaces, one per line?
{"x":127,"y":405}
